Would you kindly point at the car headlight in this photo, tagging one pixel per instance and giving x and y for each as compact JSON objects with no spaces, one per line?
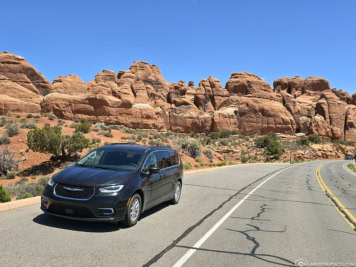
{"x":111,"y":189}
{"x":51,"y":182}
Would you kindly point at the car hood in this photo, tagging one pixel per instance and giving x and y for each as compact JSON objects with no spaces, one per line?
{"x":85,"y":176}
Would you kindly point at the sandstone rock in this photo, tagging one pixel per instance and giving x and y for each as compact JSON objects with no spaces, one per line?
{"x":19,"y":71}
{"x":264,"y":116}
{"x":71,"y":85}
{"x":244,"y":83}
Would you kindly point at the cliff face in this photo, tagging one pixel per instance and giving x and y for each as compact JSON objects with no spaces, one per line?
{"x":141,"y":98}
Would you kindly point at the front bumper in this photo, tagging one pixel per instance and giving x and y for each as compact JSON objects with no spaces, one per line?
{"x":97,"y":208}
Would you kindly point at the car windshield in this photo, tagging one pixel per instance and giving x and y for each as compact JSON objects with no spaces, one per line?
{"x":111,"y":159}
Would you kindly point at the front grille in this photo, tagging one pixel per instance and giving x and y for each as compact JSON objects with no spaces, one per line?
{"x":76,"y":192}
{"x":71,"y":211}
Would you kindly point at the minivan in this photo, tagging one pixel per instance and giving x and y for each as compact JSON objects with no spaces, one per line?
{"x":116,"y":182}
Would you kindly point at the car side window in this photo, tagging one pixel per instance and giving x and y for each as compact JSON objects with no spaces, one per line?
{"x":163,"y":159}
{"x":150,"y":162}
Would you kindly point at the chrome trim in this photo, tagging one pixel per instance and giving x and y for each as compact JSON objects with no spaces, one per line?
{"x":111,"y":209}
{"x":107,"y":213}
{"x":161,"y":151}
{"x":70,"y":198}
{"x":73,"y":189}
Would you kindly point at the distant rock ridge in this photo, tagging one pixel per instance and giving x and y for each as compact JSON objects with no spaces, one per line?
{"x":141,"y":98}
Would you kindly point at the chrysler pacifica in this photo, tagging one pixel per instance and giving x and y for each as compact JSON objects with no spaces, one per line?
{"x":116,"y":182}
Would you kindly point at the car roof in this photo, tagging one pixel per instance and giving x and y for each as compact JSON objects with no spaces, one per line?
{"x":135,"y":147}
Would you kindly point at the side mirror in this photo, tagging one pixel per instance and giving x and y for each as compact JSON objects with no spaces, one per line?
{"x":155,"y":170}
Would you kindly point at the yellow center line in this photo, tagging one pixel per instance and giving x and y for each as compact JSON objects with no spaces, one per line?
{"x":350,"y":219}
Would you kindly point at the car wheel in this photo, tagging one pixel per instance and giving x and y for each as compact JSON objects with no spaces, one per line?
{"x":177,"y":193}
{"x":133,"y":211}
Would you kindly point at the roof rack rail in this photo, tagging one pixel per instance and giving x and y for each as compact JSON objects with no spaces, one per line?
{"x":128,"y":143}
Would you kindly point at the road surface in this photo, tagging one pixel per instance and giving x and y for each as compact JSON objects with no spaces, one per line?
{"x":247,"y":215}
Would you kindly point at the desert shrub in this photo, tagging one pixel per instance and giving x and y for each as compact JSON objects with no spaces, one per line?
{"x":206,"y":141}
{"x":303,"y":141}
{"x":156,"y":143}
{"x":12,"y":129}
{"x":106,"y":134}
{"x":314,"y":138}
{"x":4,"y":195}
{"x":26,"y":195}
{"x":342,"y":142}
{"x":7,"y":160}
{"x":224,"y":142}
{"x":187,"y":166}
{"x":49,"y":139}
{"x":4,"y":140}
{"x":3,"y":121}
{"x":352,"y":166}
{"x":21,"y":190}
{"x":262,"y":142}
{"x":83,"y":126}
{"x":10,"y":175}
{"x":28,"y":125}
{"x":51,"y":117}
{"x":36,"y":116}
{"x":274,"y":149}
{"x":222,"y":134}
{"x":209,"y":154}
{"x":95,"y":140}
{"x":43,"y":180}
{"x":194,"y":149}
{"x":75,"y":143}
{"x":244,"y":159}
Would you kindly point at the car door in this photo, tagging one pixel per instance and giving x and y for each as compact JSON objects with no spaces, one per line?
{"x":153,"y":183}
{"x":167,"y":174}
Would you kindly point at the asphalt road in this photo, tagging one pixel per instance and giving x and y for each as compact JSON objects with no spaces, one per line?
{"x":225,"y":218}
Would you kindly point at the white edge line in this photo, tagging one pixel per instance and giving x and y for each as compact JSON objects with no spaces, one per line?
{"x":197,"y":245}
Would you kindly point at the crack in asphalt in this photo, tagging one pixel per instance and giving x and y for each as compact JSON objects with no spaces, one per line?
{"x":155,"y":258}
{"x":274,"y":259}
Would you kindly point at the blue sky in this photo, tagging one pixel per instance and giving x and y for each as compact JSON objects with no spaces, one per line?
{"x":187,"y":39}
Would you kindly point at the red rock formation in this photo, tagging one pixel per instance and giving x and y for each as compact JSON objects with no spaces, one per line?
{"x":141,"y":98}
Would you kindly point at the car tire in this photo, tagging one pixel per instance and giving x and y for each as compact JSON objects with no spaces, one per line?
{"x":133,"y":210}
{"x":177,"y":193}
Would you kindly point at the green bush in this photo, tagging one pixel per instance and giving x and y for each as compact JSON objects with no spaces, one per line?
{"x":187,"y":166}
{"x":51,"y":117}
{"x":194,"y":149}
{"x":274,"y":150}
{"x":49,"y":139}
{"x":106,"y":134}
{"x":12,"y":129}
{"x":303,"y":141}
{"x":26,"y":195}
{"x":222,"y":134}
{"x":4,"y":195}
{"x":83,"y":126}
{"x":314,"y":138}
{"x":4,"y":140}
{"x":262,"y":142}
{"x":43,"y":180}
{"x":7,"y":161}
{"x":224,"y":142}
{"x":75,"y":143}
{"x":20,"y":190}
{"x":10,"y":175}
{"x":209,"y":154}
{"x":28,"y":125}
